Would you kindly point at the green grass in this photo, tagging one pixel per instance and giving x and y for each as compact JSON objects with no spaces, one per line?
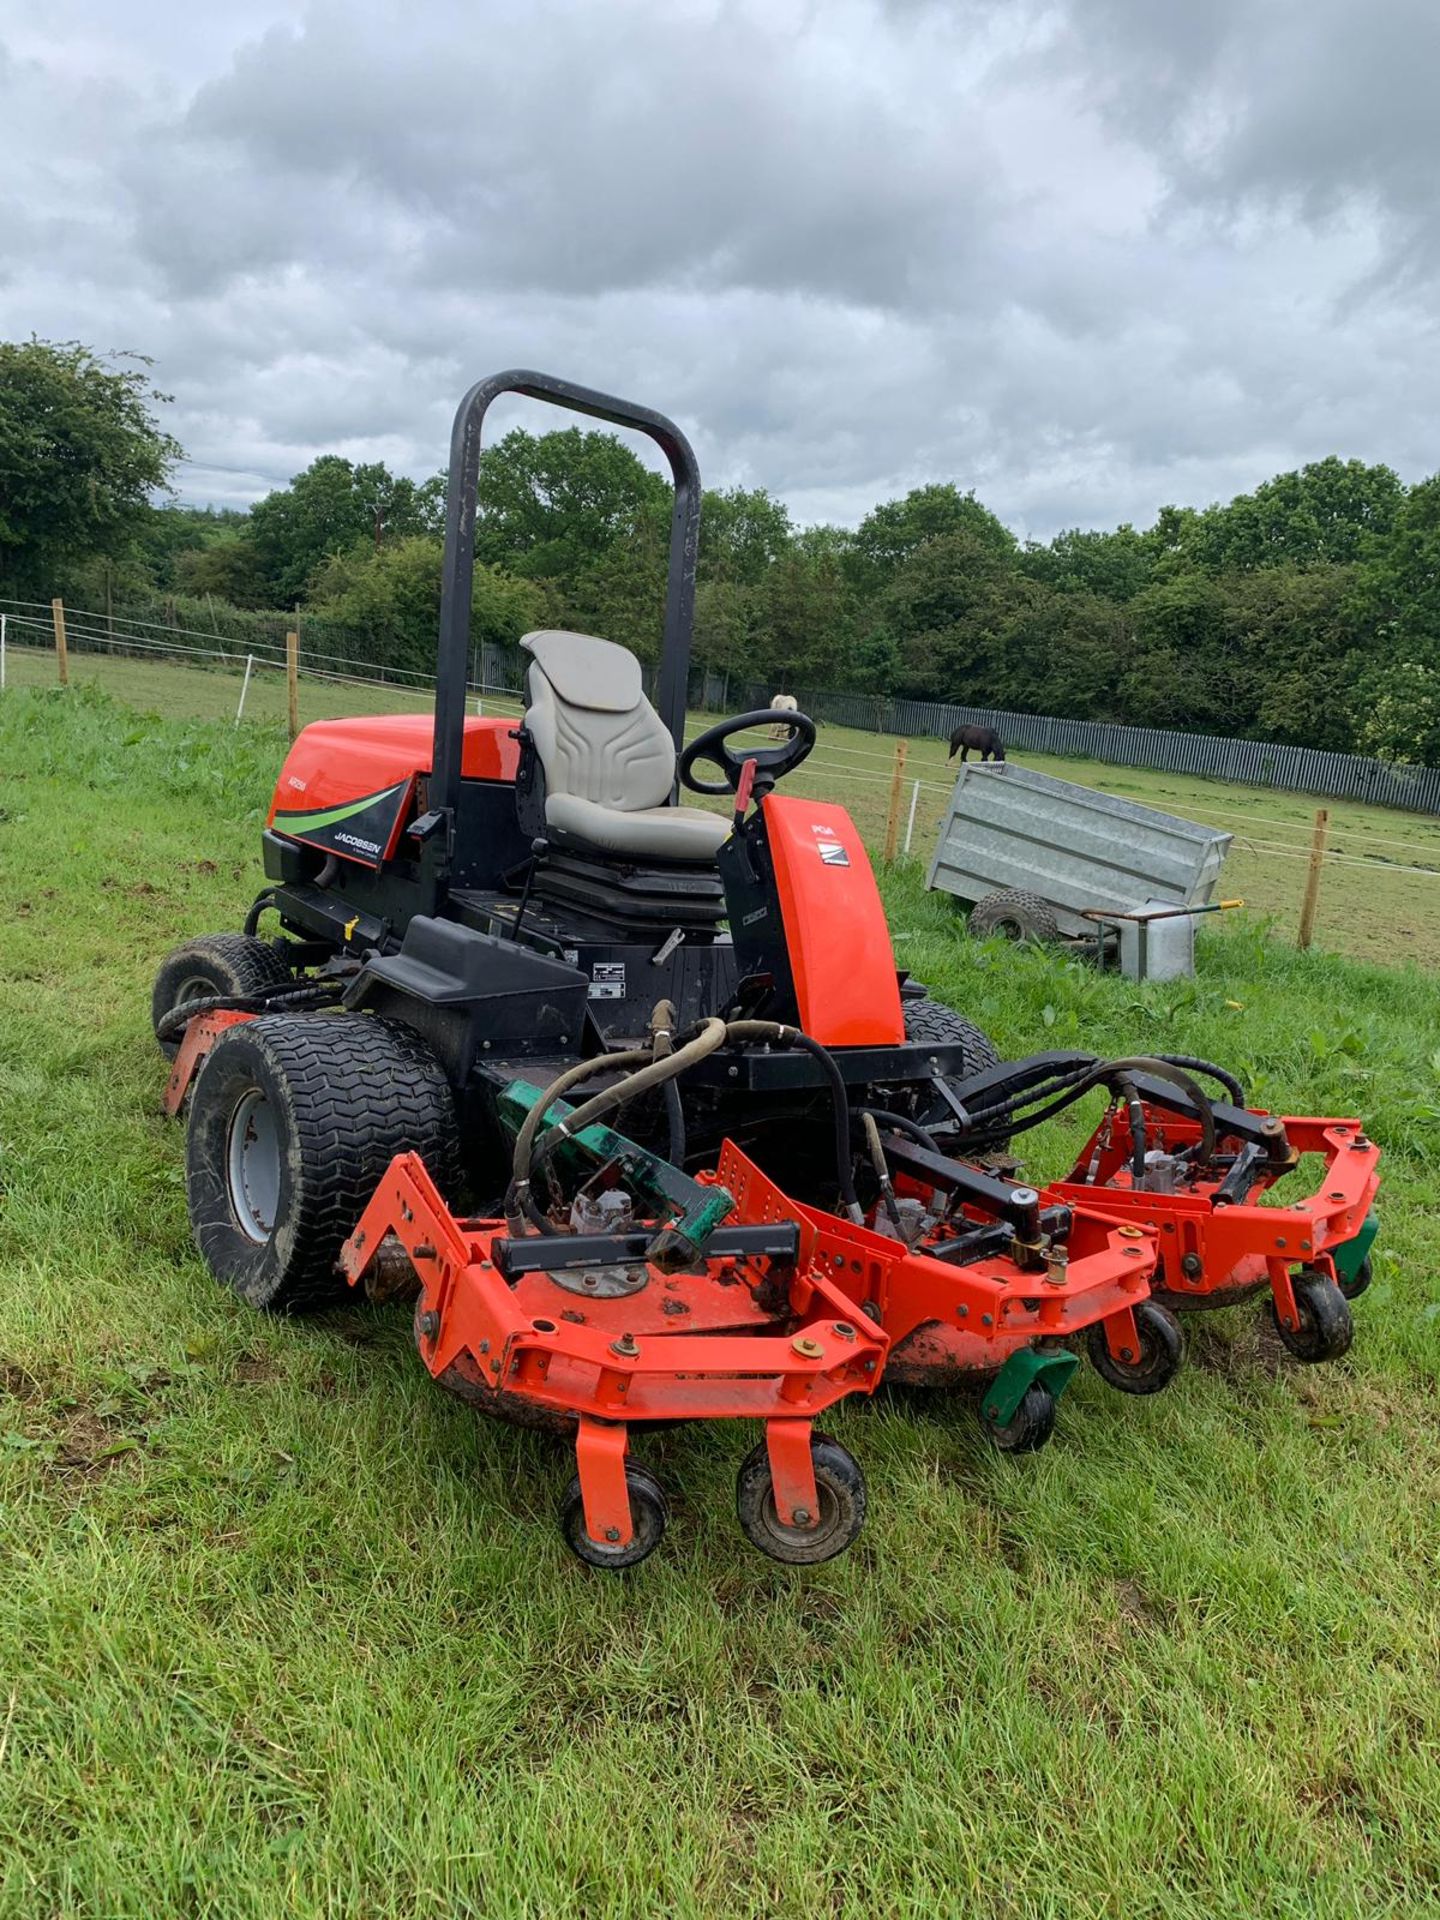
{"x":286,"y":1631}
{"x":1387,"y":910}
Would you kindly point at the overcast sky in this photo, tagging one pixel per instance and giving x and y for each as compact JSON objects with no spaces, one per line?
{"x":1086,"y":258}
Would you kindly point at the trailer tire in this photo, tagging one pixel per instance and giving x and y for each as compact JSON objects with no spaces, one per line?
{"x":1016,"y":914}
{"x":929,"y":1020}
{"x":213,"y":963}
{"x":293,"y":1121}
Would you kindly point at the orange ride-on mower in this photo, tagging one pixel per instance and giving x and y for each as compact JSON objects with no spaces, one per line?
{"x":1197,"y":1169}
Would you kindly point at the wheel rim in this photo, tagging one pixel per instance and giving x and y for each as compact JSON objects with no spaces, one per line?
{"x":195,"y":988}
{"x":253,"y":1163}
{"x":824,"y":1526}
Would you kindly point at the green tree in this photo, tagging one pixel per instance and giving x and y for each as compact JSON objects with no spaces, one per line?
{"x":331,"y":507}
{"x":1398,"y":590}
{"x":891,"y":533}
{"x":81,"y":453}
{"x":947,"y":611}
{"x":389,"y":596}
{"x":1116,"y":565}
{"x":1329,"y":513}
{"x":551,"y":505}
{"x":1401,"y":708}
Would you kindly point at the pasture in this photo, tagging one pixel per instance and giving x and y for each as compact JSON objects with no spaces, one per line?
{"x":283,"y":1630}
{"x":1381,"y":895}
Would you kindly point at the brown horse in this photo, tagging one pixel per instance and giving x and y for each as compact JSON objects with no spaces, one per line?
{"x":985,"y":740}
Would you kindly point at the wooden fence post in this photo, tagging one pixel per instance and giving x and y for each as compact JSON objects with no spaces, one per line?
{"x":1312,"y":878}
{"x":897,"y":787}
{"x":292,"y":679}
{"x":62,"y":652}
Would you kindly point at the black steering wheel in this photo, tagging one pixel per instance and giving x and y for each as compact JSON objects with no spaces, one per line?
{"x":771,"y":763}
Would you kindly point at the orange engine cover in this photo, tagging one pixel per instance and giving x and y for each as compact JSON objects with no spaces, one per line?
{"x":347,"y":785}
{"x":835,"y":929}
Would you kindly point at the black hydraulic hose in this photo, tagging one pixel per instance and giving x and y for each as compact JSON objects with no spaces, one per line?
{"x":740,"y":1031}
{"x":1134,"y":1107}
{"x":882,"y":1170}
{"x":675,"y":1121}
{"x":262,"y":900}
{"x":902,"y":1124}
{"x":1227,"y":1080}
{"x":289,"y":996}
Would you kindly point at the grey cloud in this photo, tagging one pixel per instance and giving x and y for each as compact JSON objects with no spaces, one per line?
{"x":1085,"y":257}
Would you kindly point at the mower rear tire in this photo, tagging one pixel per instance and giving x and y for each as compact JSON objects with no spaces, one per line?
{"x":1162,"y":1352}
{"x":1031,"y":1424}
{"x":929,"y":1020}
{"x":213,"y":963}
{"x":649,"y":1515}
{"x":293,"y":1121}
{"x":1326,"y":1329}
{"x":1015,"y":913}
{"x":841,"y":1488}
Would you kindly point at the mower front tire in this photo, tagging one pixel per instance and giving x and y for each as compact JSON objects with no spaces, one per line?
{"x":929,"y":1020}
{"x":213,"y":963}
{"x":840,"y":1485}
{"x":293,"y":1121}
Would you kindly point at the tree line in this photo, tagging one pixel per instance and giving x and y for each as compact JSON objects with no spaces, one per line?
{"x":1306,"y":612}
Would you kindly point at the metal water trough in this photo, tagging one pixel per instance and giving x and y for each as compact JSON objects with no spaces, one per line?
{"x":1009,"y":827}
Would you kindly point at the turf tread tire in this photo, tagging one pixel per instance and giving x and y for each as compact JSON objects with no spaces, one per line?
{"x":928,"y":1020}
{"x":1030,"y":914}
{"x":352,"y":1091}
{"x":232,"y":963}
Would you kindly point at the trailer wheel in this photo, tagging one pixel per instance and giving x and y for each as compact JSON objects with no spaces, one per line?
{"x":228,"y":963}
{"x":1016,"y":914}
{"x":841,"y":1488}
{"x":1162,"y":1349}
{"x":1326,"y":1329}
{"x":929,"y":1020}
{"x":293,"y":1121}
{"x":1031,"y":1424}
{"x":649,"y":1514}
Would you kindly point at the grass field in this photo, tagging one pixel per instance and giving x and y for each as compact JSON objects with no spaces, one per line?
{"x":1387,"y":909}
{"x":285,"y":1631}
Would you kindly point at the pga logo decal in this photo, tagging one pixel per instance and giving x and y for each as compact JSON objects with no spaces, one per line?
{"x":832,"y":853}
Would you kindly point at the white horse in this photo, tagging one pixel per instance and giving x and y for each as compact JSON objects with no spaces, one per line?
{"x":783,"y":703}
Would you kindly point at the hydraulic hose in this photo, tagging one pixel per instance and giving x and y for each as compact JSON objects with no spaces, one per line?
{"x":288,"y":995}
{"x":1211,"y":1072}
{"x":882,"y":1170}
{"x":740,"y":1032}
{"x":644,"y":1071}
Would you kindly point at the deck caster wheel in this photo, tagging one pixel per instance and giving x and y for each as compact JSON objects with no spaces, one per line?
{"x":648,"y":1516}
{"x":1162,"y":1349}
{"x":1326,"y":1329}
{"x":1031,"y":1424}
{"x":841,"y":1488}
{"x":1359,"y":1280}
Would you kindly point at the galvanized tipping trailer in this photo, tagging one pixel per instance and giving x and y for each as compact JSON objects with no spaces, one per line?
{"x":1044,"y":859}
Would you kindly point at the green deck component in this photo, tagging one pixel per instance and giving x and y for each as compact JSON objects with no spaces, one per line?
{"x":699,"y":1209}
{"x":1351,"y":1255}
{"x":1050,"y":1368}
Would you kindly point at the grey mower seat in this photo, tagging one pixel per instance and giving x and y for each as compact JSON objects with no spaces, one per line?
{"x":609,"y":761}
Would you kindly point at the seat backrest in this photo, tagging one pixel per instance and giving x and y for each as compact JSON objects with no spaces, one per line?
{"x":597,"y":735}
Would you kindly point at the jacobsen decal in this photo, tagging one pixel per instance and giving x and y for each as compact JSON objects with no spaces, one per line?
{"x":832,"y":854}
{"x":358,"y":830}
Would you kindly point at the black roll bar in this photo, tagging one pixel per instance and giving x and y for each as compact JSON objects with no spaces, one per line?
{"x":458,"y":573}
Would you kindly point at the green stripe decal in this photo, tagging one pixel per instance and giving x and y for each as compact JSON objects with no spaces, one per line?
{"x":332,"y":816}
